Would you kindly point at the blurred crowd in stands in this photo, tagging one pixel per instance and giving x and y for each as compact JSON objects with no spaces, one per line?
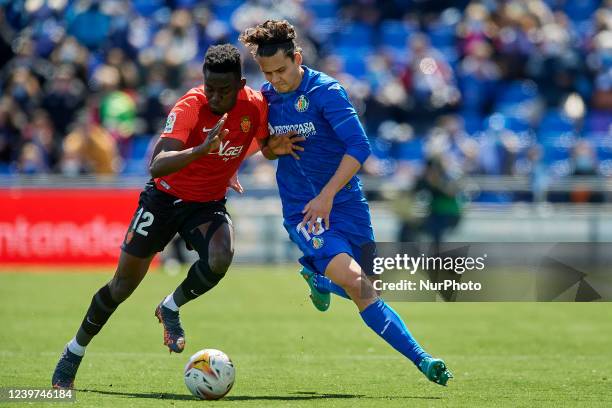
{"x":489,"y":87}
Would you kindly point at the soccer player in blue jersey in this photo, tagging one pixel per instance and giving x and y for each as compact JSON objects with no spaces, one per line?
{"x":324,"y":209}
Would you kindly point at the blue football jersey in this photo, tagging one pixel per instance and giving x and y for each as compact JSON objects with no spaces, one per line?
{"x":319,"y":109}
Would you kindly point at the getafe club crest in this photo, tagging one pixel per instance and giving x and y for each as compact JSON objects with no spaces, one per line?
{"x":245,"y":124}
{"x":317,"y":242}
{"x":301,"y":104}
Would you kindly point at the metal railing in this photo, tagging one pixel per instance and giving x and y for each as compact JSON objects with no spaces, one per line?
{"x":371,"y":183}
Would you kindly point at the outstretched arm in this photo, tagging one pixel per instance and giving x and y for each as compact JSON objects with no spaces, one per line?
{"x":169,"y":155}
{"x":341,"y":115}
{"x":271,"y":148}
{"x":279,"y":145}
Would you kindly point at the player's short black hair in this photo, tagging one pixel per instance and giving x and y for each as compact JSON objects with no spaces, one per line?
{"x":268,"y":38}
{"x":222,"y":59}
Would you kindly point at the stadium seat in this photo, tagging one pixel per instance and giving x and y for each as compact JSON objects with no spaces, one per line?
{"x":323,"y":9}
{"x":517,"y":99}
{"x":356,"y":34}
{"x":5,"y":168}
{"x":380,"y":147}
{"x":579,"y":10}
{"x":224,"y":9}
{"x":605,"y":167}
{"x":139,"y":147}
{"x":324,"y":29}
{"x":517,"y":124}
{"x":516,"y":92}
{"x":394,"y":34}
{"x":556,"y":153}
{"x":188,"y":4}
{"x":442,"y":36}
{"x":560,"y":168}
{"x":146,"y":8}
{"x":602,"y":141}
{"x":451,"y":56}
{"x":134,"y":167}
{"x":557,"y":147}
{"x":136,"y":162}
{"x":94,"y":61}
{"x":493,"y":197}
{"x":474,"y":93}
{"x":472,"y":121}
{"x":412,"y":150}
{"x":496,"y":121}
{"x":553,"y":124}
{"x":598,"y":121}
{"x":354,"y":59}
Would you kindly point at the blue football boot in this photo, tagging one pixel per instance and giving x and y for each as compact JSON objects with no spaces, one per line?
{"x":174,"y":335}
{"x":66,"y":369}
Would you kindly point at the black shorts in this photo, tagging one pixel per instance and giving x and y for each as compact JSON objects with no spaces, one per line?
{"x":160,"y":216}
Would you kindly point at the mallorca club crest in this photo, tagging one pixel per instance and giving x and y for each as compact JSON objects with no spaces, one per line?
{"x":245,"y":124}
{"x":129,"y":236}
{"x":301,"y":104}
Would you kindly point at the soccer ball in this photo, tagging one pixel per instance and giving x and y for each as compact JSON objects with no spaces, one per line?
{"x":209,"y":374}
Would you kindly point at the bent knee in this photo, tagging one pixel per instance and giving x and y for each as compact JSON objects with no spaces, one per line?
{"x":121,"y":289}
{"x":356,"y":283}
{"x":221,"y":250}
{"x":220,"y":259}
{"x":220,"y":253}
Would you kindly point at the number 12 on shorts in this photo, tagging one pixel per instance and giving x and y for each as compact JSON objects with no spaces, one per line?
{"x":147,"y":219}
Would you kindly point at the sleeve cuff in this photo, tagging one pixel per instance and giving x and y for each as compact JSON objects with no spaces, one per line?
{"x":360,"y":154}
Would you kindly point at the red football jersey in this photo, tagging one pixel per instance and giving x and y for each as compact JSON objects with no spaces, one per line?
{"x":207,"y":178}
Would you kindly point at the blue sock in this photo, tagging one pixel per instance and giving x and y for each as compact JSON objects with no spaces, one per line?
{"x":385,"y":322}
{"x":324,"y":283}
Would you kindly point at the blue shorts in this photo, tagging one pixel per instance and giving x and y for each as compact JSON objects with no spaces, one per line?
{"x":350,"y":232}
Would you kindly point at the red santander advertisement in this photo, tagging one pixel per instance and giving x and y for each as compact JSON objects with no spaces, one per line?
{"x":64,"y":226}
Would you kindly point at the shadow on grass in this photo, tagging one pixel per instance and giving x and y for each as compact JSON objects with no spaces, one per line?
{"x":294,"y":396}
{"x":145,"y":395}
{"x":297,"y":396}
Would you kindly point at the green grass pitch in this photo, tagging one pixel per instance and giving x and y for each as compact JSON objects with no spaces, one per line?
{"x":287,"y":354}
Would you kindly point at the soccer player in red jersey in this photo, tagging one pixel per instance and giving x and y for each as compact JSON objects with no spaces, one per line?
{"x":206,"y":137}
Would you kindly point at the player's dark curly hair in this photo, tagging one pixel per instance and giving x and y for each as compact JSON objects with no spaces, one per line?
{"x":268,"y":38}
{"x":223,"y":58}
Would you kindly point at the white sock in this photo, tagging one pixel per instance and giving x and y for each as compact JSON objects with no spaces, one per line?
{"x":170,"y":304}
{"x":76,"y":348}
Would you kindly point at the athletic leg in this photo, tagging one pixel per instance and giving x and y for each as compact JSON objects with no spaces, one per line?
{"x":381,"y":318}
{"x":151,"y":228}
{"x":130,"y":272}
{"x":214,"y":243}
